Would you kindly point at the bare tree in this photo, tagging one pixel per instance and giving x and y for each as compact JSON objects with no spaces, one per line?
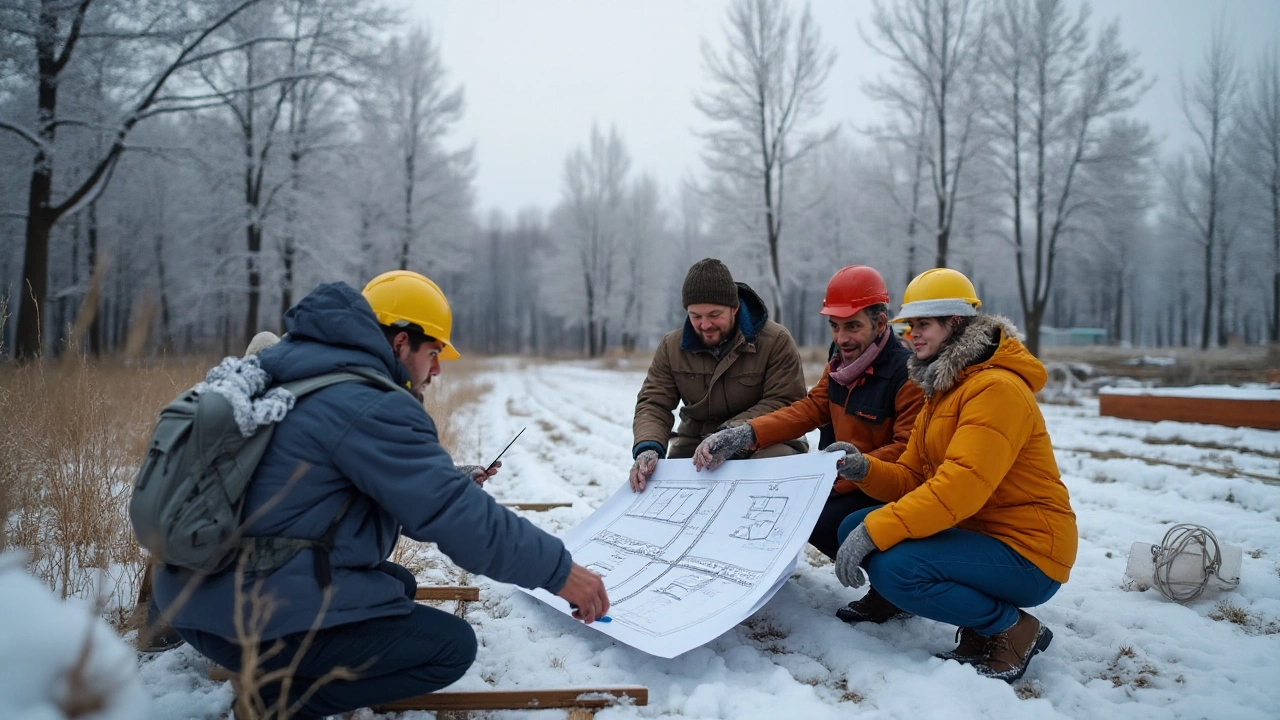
{"x":767,"y":89}
{"x":937,"y":48}
{"x":413,"y":102}
{"x":588,"y":228}
{"x":330,"y":41}
{"x":53,"y":33}
{"x":1052,"y":92}
{"x":1209,"y":104}
{"x":1260,"y":159}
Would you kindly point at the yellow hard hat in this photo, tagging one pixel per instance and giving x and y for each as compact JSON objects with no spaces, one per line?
{"x":940,"y":292}
{"x":403,"y":295}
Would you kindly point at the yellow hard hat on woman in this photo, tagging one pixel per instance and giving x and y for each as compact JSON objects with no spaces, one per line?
{"x":403,"y":296}
{"x":940,"y":292}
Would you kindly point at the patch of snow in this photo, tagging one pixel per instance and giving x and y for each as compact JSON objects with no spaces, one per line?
{"x":58,"y":659}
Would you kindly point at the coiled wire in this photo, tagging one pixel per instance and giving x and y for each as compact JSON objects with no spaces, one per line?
{"x":1187,"y":539}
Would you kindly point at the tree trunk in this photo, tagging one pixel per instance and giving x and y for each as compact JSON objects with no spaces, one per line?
{"x":1207,"y":319}
{"x":94,"y":337}
{"x":166,"y":319}
{"x":1034,"y":317}
{"x":1275,"y":258}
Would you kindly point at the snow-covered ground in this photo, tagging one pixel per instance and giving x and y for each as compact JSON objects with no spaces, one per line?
{"x":1114,"y":653}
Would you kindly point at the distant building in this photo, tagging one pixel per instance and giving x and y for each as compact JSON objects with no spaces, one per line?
{"x":1072,"y":337}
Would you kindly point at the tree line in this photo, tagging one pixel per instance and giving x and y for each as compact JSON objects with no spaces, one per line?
{"x":177,"y":174}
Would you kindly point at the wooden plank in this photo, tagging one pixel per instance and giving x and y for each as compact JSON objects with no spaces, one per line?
{"x":598,"y":697}
{"x":444,"y":592}
{"x":446,"y":700}
{"x":537,"y":506}
{"x":1231,"y":412}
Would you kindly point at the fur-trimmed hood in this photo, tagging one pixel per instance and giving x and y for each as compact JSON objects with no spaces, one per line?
{"x":987,"y":341}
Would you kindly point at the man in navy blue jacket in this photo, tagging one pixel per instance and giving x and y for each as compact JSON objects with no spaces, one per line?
{"x":374,"y":451}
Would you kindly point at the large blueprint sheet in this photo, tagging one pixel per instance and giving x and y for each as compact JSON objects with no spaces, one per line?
{"x":697,"y":553}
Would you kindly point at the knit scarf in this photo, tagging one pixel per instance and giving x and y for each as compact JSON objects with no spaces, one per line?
{"x":242,"y":382}
{"x":847,"y":375}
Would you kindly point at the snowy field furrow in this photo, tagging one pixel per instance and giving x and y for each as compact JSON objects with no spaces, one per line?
{"x":1114,"y":653}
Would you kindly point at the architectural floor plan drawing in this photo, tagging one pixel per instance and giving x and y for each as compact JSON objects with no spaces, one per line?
{"x":697,"y":552}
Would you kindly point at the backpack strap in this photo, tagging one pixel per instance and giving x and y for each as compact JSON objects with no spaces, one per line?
{"x":269,"y":553}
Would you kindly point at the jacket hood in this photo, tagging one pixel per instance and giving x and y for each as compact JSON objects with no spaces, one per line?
{"x":752,"y":315}
{"x":987,"y":341}
{"x":331,"y":328}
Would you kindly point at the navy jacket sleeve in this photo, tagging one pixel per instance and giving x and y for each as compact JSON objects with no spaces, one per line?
{"x":391,"y":452}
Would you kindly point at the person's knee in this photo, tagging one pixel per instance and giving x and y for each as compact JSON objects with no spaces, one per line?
{"x":459,"y":644}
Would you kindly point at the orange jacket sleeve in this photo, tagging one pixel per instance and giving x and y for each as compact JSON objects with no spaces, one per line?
{"x":809,"y":412}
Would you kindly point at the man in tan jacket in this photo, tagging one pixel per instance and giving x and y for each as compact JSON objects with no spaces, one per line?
{"x":729,"y":363}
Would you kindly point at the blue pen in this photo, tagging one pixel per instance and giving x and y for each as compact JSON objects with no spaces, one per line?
{"x":602,"y":618}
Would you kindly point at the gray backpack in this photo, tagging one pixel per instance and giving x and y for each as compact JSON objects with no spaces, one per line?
{"x":188,"y":494}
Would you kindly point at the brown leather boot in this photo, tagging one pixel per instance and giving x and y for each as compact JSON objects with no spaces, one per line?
{"x":1010,"y":652}
{"x":872,"y":608}
{"x":972,"y":648}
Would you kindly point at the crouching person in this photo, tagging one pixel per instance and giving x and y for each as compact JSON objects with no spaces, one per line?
{"x":866,"y":396}
{"x":349,"y":468}
{"x":976,"y":523}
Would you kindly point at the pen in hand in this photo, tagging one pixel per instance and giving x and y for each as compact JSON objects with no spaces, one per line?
{"x":602,"y":618}
{"x":505,"y":449}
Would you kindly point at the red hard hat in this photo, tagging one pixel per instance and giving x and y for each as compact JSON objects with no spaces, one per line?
{"x":853,"y":288}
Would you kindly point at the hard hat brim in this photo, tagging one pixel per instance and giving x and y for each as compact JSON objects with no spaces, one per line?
{"x":945,"y":307}
{"x":449,"y":352}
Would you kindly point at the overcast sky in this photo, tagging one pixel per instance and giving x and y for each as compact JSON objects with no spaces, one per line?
{"x":538,"y":73}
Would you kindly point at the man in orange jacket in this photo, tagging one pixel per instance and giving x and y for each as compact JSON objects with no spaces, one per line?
{"x":866,"y":396}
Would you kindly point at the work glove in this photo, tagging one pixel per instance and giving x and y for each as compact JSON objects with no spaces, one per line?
{"x":854,"y":465}
{"x":723,"y":445}
{"x":646,"y":462}
{"x":479,"y":473}
{"x":849,"y":558}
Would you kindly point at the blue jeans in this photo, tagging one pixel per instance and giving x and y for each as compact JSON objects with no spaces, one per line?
{"x":394,"y":657}
{"x":960,"y":577}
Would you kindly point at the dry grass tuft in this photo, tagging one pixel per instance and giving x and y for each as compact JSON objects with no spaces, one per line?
{"x":76,"y":431}
{"x":1252,"y":624}
{"x":1127,"y":669}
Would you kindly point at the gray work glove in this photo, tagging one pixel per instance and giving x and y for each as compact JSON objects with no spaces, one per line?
{"x":478,"y":473}
{"x":853,"y":466}
{"x":723,"y":445}
{"x":852,"y":551}
{"x":646,"y":462}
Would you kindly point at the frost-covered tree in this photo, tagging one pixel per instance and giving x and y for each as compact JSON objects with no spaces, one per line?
{"x":409,"y":109}
{"x":936,"y":47}
{"x":766,"y":94}
{"x":46,"y":39}
{"x":588,"y":228}
{"x":1052,"y":93}
{"x":1259,"y":159}
{"x":1199,"y":184}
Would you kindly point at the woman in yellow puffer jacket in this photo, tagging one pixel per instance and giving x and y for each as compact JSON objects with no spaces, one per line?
{"x":976,"y":522}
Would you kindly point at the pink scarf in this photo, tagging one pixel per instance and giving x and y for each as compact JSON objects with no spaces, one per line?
{"x":849,"y":374}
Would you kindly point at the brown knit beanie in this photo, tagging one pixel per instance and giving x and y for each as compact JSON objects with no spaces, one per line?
{"x":709,"y":281}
